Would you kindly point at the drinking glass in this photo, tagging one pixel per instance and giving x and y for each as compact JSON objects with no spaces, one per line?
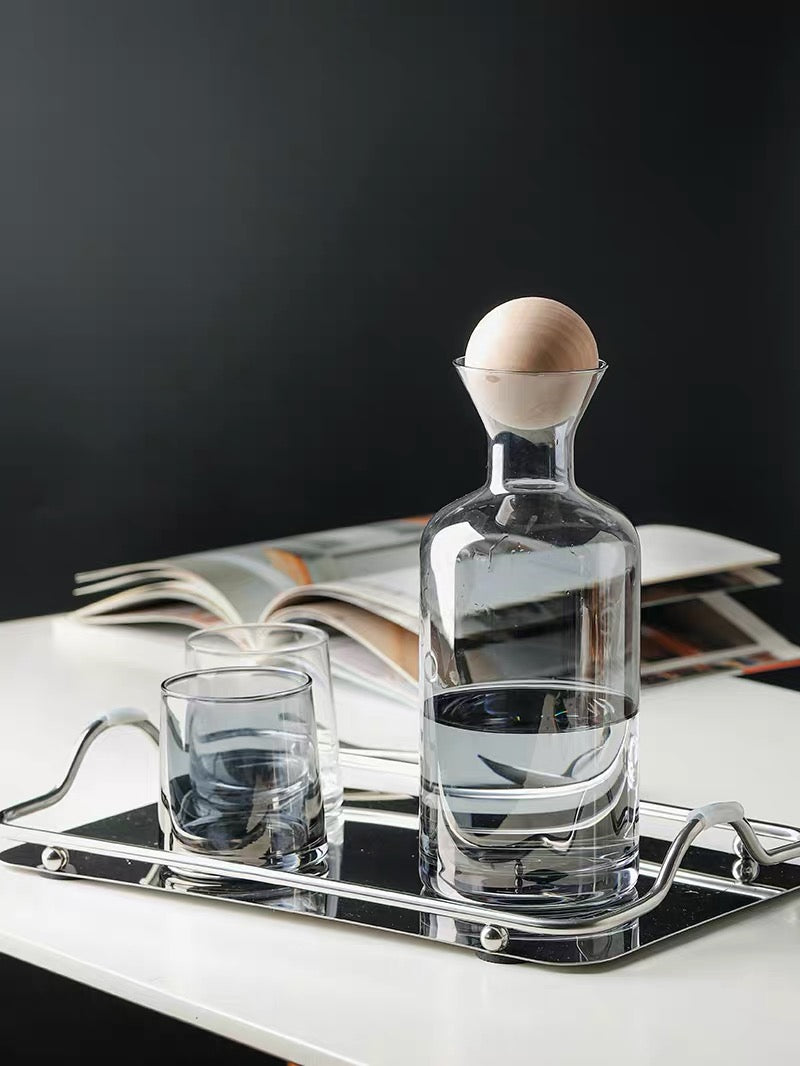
{"x":239,"y":769}
{"x":296,"y":647}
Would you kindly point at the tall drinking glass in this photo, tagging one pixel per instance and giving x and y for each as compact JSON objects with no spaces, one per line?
{"x":291,"y":646}
{"x":239,"y":770}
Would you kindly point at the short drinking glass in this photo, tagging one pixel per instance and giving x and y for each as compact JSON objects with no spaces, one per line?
{"x":296,"y":647}
{"x":239,"y":769}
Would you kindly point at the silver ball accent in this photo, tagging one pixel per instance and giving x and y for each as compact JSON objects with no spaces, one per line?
{"x":746,"y":870}
{"x":54,"y":860}
{"x":494,"y":938}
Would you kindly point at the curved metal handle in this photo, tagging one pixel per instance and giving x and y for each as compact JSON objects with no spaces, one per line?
{"x":756,"y":849}
{"x":501,"y":921}
{"x":697,"y":821}
{"x":120,"y":716}
{"x":701,"y":818}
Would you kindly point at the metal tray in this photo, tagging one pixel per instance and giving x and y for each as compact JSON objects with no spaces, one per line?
{"x":372,"y":878}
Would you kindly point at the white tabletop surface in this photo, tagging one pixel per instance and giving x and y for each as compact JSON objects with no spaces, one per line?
{"x":323,"y":993}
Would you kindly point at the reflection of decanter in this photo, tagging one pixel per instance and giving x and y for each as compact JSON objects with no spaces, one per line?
{"x":529,"y":665}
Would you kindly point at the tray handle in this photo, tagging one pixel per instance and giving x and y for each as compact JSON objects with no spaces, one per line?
{"x":121,"y":716}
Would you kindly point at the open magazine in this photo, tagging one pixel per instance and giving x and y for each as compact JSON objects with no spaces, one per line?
{"x":362,"y":584}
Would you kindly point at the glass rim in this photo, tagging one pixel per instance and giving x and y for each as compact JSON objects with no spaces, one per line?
{"x":168,"y":690}
{"x":601,"y":368}
{"x":315,"y":635}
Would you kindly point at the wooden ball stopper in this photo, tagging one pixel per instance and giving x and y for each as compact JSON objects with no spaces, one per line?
{"x":542,"y":341}
{"x":532,"y":334}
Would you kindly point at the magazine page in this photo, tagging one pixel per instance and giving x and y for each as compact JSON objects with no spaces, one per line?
{"x":160,"y":597}
{"x":373,"y":566}
{"x":710,"y":635}
{"x":727,"y":581}
{"x":248,"y":577}
{"x":392,"y":595}
{"x":666,"y":550}
{"x":394,"y":645}
{"x":355,"y":662}
{"x":188,"y":614}
{"x":670,"y":553}
{"x":348,"y":580}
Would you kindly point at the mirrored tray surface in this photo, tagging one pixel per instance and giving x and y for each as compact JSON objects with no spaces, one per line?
{"x":376,"y":865}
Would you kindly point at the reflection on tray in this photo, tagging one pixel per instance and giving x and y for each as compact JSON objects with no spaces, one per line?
{"x":379,"y":851}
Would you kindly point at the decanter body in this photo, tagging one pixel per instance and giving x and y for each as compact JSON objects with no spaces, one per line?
{"x":529,"y":667}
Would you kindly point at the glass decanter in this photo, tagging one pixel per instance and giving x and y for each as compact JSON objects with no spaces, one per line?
{"x":529,"y":666}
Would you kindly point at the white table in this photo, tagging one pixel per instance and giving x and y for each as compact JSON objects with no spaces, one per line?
{"x":320,"y":993}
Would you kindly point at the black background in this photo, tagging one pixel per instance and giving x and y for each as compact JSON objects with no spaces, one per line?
{"x":46,"y":1015}
{"x":241,"y":243}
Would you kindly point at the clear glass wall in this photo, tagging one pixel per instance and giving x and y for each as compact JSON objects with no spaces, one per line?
{"x":530,"y":666}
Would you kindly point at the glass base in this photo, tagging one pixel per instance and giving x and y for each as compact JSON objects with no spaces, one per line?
{"x":506,"y":885}
{"x":312,"y":859}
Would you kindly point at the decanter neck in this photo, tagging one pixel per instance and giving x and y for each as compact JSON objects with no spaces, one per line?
{"x":542,"y":462}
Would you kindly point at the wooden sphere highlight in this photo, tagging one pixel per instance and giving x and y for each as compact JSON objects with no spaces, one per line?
{"x":532,"y":334}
